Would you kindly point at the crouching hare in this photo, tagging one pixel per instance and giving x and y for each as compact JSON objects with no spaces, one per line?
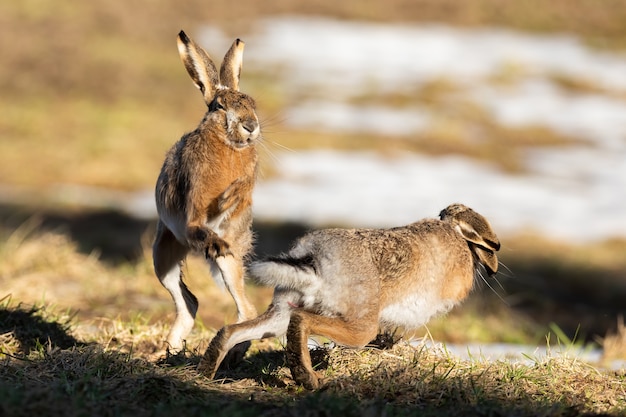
{"x":347,"y":284}
{"x":204,"y":190}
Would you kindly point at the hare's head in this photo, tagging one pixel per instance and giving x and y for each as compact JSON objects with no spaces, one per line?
{"x":477,"y":231}
{"x":228,"y":108}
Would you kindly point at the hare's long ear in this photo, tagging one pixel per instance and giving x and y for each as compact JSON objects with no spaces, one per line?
{"x":476,"y":229}
{"x":479,"y":233}
{"x":487,"y":258}
{"x":483,"y":241}
{"x":231,"y":66}
{"x":199,"y":66}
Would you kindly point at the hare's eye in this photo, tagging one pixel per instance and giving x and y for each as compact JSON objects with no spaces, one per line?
{"x":215,"y":105}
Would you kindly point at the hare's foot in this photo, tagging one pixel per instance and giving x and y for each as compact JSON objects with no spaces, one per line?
{"x":210,"y":361}
{"x":217,"y":247}
{"x":304,"y":377}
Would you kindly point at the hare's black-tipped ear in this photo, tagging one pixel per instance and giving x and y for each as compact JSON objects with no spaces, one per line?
{"x":474,"y":227}
{"x":199,"y":66}
{"x":476,"y":230}
{"x":488,"y":259}
{"x":483,"y":241}
{"x":231,"y":66}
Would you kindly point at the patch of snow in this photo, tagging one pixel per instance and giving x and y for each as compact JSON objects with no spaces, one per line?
{"x":343,"y":118}
{"x":365,"y":189}
{"x":350,"y":54}
{"x":524,"y":354}
{"x":598,"y":118}
{"x":574,"y":193}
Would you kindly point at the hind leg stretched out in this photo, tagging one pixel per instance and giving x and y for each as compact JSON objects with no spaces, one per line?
{"x":272,"y":323}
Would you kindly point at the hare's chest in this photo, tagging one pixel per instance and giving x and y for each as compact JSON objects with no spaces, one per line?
{"x":413,"y":311}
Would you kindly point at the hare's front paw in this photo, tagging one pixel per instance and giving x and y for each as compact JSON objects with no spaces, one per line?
{"x":231,"y":197}
{"x":207,"y":242}
{"x":217,"y":247}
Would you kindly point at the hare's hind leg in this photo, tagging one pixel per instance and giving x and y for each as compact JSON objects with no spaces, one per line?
{"x":272,"y":323}
{"x":232,"y":271}
{"x":304,"y":323}
{"x":231,"y":268}
{"x":168,"y":255}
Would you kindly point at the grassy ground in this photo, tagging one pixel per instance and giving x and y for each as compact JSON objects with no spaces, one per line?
{"x":49,"y":366}
{"x":93,"y":93}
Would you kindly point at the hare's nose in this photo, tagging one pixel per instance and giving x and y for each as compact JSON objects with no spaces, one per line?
{"x":250,"y":125}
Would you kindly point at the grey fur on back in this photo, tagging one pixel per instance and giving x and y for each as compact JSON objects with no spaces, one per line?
{"x":346,"y":284}
{"x":337,"y":270}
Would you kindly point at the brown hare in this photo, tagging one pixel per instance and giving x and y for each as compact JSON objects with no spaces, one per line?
{"x":347,"y":284}
{"x":204,"y":191}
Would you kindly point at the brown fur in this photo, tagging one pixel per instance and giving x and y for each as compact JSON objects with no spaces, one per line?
{"x":204,"y":191}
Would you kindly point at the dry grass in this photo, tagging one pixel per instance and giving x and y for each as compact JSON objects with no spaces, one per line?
{"x":48,"y":267}
{"x":94,"y":351}
{"x":109,"y":373}
{"x":543,"y":280}
{"x":95,"y":94}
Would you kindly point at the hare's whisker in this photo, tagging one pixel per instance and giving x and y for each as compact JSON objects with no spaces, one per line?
{"x":510,"y":273}
{"x":280,"y":145}
{"x":269,"y":152}
{"x":482,"y":277}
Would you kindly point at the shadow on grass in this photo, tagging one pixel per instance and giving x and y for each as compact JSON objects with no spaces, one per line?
{"x":418,"y":382}
{"x":119,"y":238}
{"x":73,"y":378}
{"x":91,"y":381}
{"x":31,"y":330}
{"x":583,"y":303}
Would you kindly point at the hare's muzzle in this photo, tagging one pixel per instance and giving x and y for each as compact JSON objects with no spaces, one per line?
{"x":249,"y":131}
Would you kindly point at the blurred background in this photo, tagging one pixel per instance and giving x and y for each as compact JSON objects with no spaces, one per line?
{"x":374,"y":114}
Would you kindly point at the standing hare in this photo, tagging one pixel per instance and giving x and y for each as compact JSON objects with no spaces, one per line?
{"x":346,"y":284}
{"x":204,"y":190}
